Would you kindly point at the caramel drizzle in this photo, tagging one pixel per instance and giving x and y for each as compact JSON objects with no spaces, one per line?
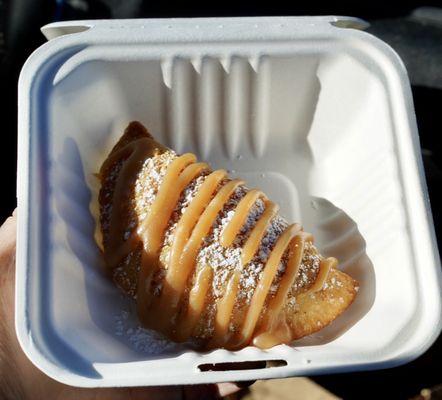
{"x":155,"y":224}
{"x":162,"y":312}
{"x":242,"y":210}
{"x":132,"y":154}
{"x":262,"y":289}
{"x":166,"y":199}
{"x":191,"y":215}
{"x":224,"y":312}
{"x":197,"y":300}
{"x":251,"y":246}
{"x":324,"y":268}
{"x":271,"y":318}
{"x":177,"y":276}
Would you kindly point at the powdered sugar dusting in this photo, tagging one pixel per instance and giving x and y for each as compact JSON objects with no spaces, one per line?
{"x":309,"y":266}
{"x":141,"y":340}
{"x":251,"y":220}
{"x":149,"y":180}
{"x":185,"y":199}
{"x":253,"y":271}
{"x":222,"y":260}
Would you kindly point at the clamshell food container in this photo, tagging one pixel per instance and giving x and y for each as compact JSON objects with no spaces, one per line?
{"x":313,"y":110}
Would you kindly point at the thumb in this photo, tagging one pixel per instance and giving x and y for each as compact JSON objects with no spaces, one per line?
{"x":8,"y":233}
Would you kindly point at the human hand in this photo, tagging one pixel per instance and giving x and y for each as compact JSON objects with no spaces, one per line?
{"x":21,"y":380}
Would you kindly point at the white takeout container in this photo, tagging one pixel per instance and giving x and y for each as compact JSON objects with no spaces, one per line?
{"x":314,"y":111}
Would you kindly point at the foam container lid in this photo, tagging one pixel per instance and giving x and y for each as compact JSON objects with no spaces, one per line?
{"x":312,"y":110}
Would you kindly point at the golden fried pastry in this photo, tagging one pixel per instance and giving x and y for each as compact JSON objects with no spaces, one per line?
{"x":206,"y":258}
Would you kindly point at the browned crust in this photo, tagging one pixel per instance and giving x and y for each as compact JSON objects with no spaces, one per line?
{"x":126,"y":276}
{"x":312,"y":312}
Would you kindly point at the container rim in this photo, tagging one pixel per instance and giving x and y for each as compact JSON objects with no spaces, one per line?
{"x":73,"y":42}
